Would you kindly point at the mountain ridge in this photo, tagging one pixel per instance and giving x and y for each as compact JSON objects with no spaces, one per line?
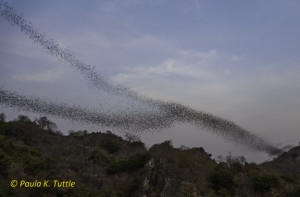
{"x":103,"y":164}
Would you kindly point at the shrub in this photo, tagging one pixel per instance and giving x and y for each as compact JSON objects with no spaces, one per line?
{"x":133,"y":163}
{"x":78,"y":133}
{"x":5,"y":161}
{"x":264,"y":183}
{"x":116,"y":167}
{"x":290,"y":179}
{"x":110,"y":146}
{"x":23,"y":118}
{"x":24,"y":123}
{"x":136,"y":144}
{"x":222,"y":180}
{"x":32,"y":164}
{"x":48,"y":164}
{"x":35,"y":165}
{"x":167,"y":143}
{"x":4,"y":128}
{"x":137,"y":161}
{"x":98,"y":157}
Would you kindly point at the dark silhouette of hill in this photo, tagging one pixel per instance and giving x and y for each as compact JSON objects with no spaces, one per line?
{"x":288,"y":163}
{"x":103,"y":164}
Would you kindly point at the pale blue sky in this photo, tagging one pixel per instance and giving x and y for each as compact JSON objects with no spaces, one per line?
{"x":236,"y":59}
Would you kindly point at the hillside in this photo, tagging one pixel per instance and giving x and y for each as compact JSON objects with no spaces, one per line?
{"x":287,"y":163}
{"x":103,"y":164}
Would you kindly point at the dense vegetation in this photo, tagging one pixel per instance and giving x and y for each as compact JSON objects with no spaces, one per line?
{"x":103,"y":164}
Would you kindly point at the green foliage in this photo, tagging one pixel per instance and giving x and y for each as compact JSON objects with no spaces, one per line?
{"x":134,"y":140}
{"x":5,"y":161}
{"x":163,"y":147}
{"x":35,"y":164}
{"x":134,"y":162}
{"x":4,"y":128}
{"x":99,"y":157}
{"x":222,"y":180}
{"x":23,"y":122}
{"x":2,"y":137}
{"x":138,"y":160}
{"x":264,"y":183}
{"x":117,"y":167}
{"x":252,"y":169}
{"x":110,"y":146}
{"x":29,"y":141}
{"x":32,"y":165}
{"x":290,"y":179}
{"x":28,"y":152}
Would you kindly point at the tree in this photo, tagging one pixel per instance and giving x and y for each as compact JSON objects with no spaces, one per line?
{"x":2,"y":117}
{"x":23,"y":118}
{"x":44,"y":123}
{"x":132,"y":138}
{"x":264,"y":183}
{"x":236,"y":164}
{"x":223,"y":180}
{"x":78,"y":133}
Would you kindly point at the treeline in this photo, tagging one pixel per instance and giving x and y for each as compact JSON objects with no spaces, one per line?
{"x":103,"y":164}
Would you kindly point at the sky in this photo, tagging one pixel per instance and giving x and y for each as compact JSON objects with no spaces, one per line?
{"x":238,"y":60}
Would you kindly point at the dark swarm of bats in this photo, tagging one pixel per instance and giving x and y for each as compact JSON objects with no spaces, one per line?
{"x":166,"y":113}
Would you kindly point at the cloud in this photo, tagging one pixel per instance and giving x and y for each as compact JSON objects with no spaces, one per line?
{"x":204,"y":66}
{"x":202,"y":79}
{"x":45,"y":76}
